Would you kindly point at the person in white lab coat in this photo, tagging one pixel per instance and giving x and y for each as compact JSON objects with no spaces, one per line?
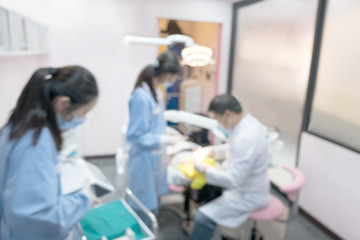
{"x":243,"y":176}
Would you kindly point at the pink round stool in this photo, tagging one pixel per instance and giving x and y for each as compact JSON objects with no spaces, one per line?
{"x":276,"y":207}
{"x":270,"y":212}
{"x":176,"y":188}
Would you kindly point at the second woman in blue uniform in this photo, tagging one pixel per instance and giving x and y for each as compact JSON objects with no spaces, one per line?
{"x":146,"y":130}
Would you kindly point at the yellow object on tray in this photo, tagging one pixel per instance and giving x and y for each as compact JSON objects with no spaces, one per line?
{"x":199,"y":179}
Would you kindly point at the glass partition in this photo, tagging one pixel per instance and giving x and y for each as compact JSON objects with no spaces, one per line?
{"x":273,"y":50}
{"x":336,"y":107}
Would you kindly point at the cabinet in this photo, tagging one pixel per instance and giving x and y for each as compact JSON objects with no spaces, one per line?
{"x":21,"y":36}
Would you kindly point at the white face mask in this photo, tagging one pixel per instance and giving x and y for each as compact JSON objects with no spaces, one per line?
{"x":227,"y":131}
{"x":66,"y":125}
{"x":168,"y":84}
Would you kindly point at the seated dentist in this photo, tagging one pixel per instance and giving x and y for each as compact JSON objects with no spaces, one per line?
{"x":243,"y":177}
{"x":146,"y":133}
{"x":31,"y":202}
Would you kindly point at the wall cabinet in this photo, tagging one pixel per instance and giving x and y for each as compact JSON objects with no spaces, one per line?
{"x":21,"y":36}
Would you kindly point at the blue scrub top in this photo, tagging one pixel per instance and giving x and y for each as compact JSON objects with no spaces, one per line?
{"x":31,"y":203}
{"x":147,"y":161}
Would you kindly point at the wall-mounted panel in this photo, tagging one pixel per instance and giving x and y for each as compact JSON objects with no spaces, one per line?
{"x":21,"y":36}
{"x":331,"y":193}
{"x":17,"y":32}
{"x":4,"y":31}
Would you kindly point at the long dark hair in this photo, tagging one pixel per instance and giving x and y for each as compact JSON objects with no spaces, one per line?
{"x":34,"y":108}
{"x":168,"y":62}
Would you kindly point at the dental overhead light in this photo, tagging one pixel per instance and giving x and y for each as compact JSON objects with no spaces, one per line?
{"x":129,"y":39}
{"x":197,"y":56}
{"x":193,"y":54}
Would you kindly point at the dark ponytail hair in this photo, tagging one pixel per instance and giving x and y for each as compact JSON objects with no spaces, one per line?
{"x":166,"y":62}
{"x":34,"y":108}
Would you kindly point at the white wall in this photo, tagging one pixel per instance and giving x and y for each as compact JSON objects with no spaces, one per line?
{"x":15,"y":71}
{"x":331,"y":194}
{"x":90,"y":32}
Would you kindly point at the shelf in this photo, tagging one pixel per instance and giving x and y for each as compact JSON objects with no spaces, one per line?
{"x":21,"y":36}
{"x":22,"y":53}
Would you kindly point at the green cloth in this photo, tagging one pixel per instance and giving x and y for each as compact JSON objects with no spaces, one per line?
{"x":110,"y":220}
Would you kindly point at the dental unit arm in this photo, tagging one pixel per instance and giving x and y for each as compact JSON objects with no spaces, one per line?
{"x":177,"y":116}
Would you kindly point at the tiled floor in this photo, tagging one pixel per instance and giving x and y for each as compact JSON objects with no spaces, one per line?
{"x":170,"y":224}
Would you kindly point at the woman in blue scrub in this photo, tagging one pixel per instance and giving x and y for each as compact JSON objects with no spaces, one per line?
{"x":31,"y":203}
{"x":146,"y":130}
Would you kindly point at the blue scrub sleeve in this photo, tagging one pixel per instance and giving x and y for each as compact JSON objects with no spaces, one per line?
{"x":32,"y":196}
{"x":139,"y":124}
